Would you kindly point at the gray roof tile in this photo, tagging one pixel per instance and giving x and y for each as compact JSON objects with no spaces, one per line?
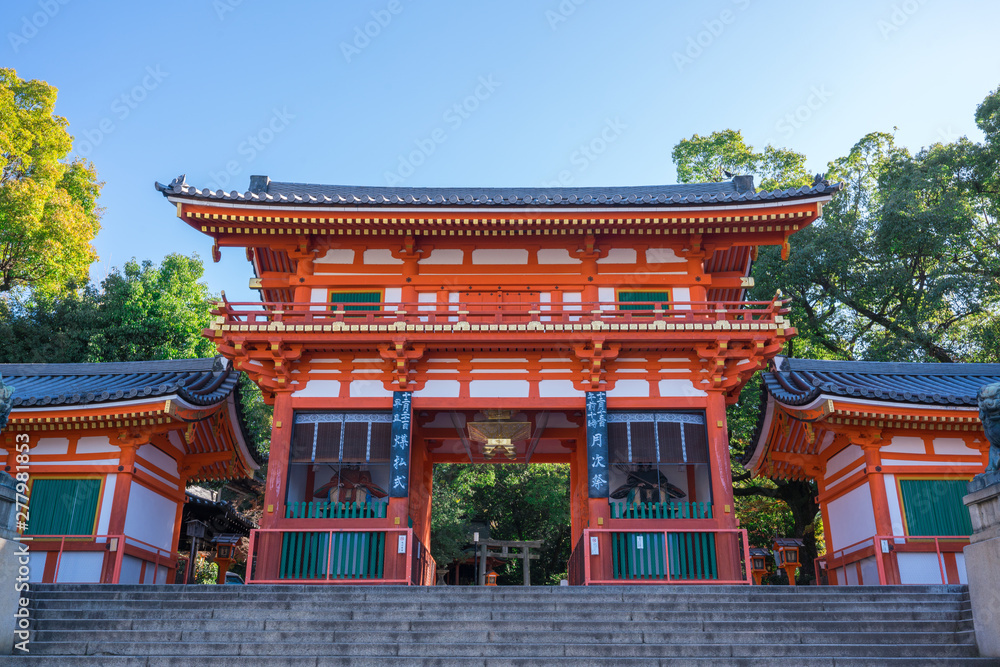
{"x":264,"y":191}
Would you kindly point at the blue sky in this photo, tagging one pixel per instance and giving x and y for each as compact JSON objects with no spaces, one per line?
{"x":411,"y":92}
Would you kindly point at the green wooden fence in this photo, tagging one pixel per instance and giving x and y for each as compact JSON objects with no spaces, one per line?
{"x":355,"y":555}
{"x":328,"y":510}
{"x":661,"y":510}
{"x":642,"y":556}
{"x":349,"y":555}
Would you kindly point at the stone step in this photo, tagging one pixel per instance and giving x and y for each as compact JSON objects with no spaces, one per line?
{"x":475,"y":593}
{"x":462,"y":614}
{"x":524,"y":635}
{"x":322,"y":606}
{"x":86,"y":624}
{"x":291,"y":660}
{"x":509,"y":650}
{"x":440,"y":625}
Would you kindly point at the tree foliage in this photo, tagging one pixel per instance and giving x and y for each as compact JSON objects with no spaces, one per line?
{"x":48,"y":207}
{"x":904,"y":265}
{"x":707,"y":159}
{"x":515,"y":502}
{"x":142,"y":312}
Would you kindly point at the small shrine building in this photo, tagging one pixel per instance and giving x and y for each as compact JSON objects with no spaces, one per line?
{"x":891,"y":447}
{"x":604,"y":328}
{"x":106,"y":450}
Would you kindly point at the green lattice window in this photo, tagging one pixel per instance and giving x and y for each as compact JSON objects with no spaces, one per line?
{"x":642,"y":300}
{"x":356,"y":300}
{"x":63,"y":506}
{"x":934,"y":506}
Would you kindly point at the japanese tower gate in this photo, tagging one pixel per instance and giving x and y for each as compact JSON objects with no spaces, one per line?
{"x":402,"y":327}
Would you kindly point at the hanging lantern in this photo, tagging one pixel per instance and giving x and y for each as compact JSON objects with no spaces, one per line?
{"x":491,"y":578}
{"x":499,"y":433}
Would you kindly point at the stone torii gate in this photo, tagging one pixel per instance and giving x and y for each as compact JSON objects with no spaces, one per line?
{"x":524,"y":553}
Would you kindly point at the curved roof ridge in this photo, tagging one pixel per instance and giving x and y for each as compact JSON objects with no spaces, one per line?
{"x":739,"y":189}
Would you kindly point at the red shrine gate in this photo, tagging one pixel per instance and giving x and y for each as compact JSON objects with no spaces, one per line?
{"x":402,"y":327}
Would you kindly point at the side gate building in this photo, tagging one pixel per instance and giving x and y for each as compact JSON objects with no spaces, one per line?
{"x":605,"y":328}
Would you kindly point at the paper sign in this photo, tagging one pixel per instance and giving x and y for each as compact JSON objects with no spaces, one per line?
{"x":638,"y":541}
{"x":594,"y":548}
{"x":402,"y":545}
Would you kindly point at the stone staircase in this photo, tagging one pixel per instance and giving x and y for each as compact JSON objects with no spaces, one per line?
{"x":353,"y":625}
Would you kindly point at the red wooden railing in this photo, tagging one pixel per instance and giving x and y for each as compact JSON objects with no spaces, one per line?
{"x":283,"y":315}
{"x":886,"y":548}
{"x":114,"y":545}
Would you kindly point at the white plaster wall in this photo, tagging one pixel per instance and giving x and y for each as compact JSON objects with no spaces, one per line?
{"x":904,"y":444}
{"x":852,"y":518}
{"x":917,"y":568}
{"x":320,"y":389}
{"x":380,"y":256}
{"x":499,"y":256}
{"x":499,"y":388}
{"x":50,"y":446}
{"x":444,"y":256}
{"x":104,"y":519}
{"x":842,"y":459}
{"x":892,"y":499}
{"x":131,"y":567}
{"x":953,"y":447}
{"x":556,"y":256}
{"x":164,"y":480}
{"x":393,"y":294}
{"x":679,"y":388}
{"x":368,"y":389}
{"x":337,"y":256}
{"x":150,"y":516}
{"x":662,"y":256}
{"x":36,"y":565}
{"x":630,"y":389}
{"x":963,"y":576}
{"x":159,"y":459}
{"x":681,"y":294}
{"x":439,"y":389}
{"x":619,"y":256}
{"x":82,"y":567}
{"x":95,"y":444}
{"x":558,"y":389}
{"x":851,"y":574}
{"x":869,"y":571}
{"x":318,"y":295}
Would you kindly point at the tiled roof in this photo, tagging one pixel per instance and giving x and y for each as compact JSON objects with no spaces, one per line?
{"x":220,"y":511}
{"x":800,"y":381}
{"x":197,"y":381}
{"x":265,"y":191}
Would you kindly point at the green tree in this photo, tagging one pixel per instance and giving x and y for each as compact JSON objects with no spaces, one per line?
{"x":154,"y":312}
{"x":707,"y":159}
{"x":48,"y":207}
{"x":516,"y":501}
